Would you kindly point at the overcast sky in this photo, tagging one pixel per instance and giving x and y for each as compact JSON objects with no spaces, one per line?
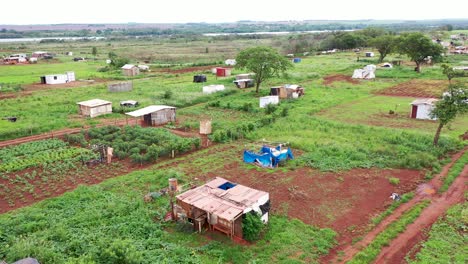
{"x":168,"y":11}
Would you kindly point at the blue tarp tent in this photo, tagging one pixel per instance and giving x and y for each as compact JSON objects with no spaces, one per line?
{"x":268,"y":157}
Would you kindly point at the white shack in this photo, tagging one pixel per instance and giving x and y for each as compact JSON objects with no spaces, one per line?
{"x":154,"y":115}
{"x":94,"y":107}
{"x":420,"y":108}
{"x":272,"y":99}
{"x":213,"y":88}
{"x":58,"y":78}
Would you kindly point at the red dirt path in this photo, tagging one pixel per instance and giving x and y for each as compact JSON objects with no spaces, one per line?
{"x":414,"y":232}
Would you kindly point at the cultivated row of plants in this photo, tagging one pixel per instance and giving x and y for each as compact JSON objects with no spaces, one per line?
{"x":139,"y":144}
{"x":40,"y":153}
{"x":454,"y":172}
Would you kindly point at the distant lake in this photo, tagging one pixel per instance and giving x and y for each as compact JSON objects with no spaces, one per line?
{"x":7,"y":40}
{"x":272,"y":33}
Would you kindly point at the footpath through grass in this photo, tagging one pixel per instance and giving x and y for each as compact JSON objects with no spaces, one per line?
{"x":368,"y":254}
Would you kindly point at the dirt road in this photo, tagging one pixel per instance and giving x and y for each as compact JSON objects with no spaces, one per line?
{"x":400,"y":246}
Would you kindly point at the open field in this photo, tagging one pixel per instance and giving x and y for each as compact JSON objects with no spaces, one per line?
{"x":350,"y":155}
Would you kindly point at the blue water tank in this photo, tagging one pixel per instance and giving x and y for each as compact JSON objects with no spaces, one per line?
{"x":297,"y":60}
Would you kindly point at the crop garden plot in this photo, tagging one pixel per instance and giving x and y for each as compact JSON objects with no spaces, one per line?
{"x":33,"y":171}
{"x":388,"y":111}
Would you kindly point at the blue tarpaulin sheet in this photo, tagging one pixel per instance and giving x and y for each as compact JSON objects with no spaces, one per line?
{"x":268,"y":157}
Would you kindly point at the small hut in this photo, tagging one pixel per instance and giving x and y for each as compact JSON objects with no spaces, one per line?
{"x":155,"y":115}
{"x":199,"y":78}
{"x":223,"y":72}
{"x":94,"y":107}
{"x":279,"y":91}
{"x":58,"y":78}
{"x":130,"y":70}
{"x":221,"y":205}
{"x":266,"y":100}
{"x":244,"y":83}
{"x":420,"y":108}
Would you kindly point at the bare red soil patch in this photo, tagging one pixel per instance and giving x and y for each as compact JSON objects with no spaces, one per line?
{"x":417,"y":88}
{"x":338,"y":78}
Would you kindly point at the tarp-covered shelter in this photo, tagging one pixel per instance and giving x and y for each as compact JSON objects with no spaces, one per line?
{"x":220,"y":205}
{"x":94,"y":107}
{"x":294,"y":90}
{"x":367,"y":72}
{"x":213,"y":88}
{"x":199,"y":78}
{"x":154,"y":115}
{"x":268,"y":156}
{"x":129,"y":103}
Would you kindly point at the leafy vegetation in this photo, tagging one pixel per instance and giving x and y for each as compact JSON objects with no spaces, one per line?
{"x":447,"y":242}
{"x":252,"y":226}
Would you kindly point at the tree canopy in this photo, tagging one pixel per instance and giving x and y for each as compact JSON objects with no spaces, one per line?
{"x":453,"y":103}
{"x":385,"y":44}
{"x":418,"y":47}
{"x":264,"y":61}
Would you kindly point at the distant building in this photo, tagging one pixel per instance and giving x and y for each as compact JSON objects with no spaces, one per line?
{"x":94,"y":107}
{"x":58,"y":78}
{"x":130,"y":70}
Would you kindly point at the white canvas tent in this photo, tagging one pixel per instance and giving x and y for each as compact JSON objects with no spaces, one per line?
{"x":367,"y":72}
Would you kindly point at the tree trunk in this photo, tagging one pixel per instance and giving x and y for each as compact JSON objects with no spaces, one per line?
{"x":381,"y":57}
{"x":257,"y":87}
{"x":437,"y":134}
{"x":418,"y":67}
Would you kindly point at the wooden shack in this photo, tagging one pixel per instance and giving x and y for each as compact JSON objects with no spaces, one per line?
{"x":94,"y":107}
{"x":280,"y":91}
{"x":130,"y":70}
{"x":220,"y":205}
{"x":155,"y":115}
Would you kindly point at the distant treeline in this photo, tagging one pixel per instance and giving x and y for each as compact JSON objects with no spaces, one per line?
{"x":240,"y":27}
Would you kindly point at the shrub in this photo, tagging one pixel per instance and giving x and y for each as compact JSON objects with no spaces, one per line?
{"x":270,"y":109}
{"x":394,"y":181}
{"x":167,"y":94}
{"x":252,"y":226}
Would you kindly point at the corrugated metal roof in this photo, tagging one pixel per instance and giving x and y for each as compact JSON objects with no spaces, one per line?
{"x":428,"y":101}
{"x":94,"y":102}
{"x":226,"y":204}
{"x":148,"y":110}
{"x":128,"y":66}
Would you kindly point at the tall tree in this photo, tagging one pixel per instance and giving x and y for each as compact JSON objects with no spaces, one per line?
{"x":384,"y":44}
{"x":452,"y":104}
{"x":451,"y":73}
{"x":94,"y":52}
{"x":418,"y":47}
{"x":264,"y":61}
